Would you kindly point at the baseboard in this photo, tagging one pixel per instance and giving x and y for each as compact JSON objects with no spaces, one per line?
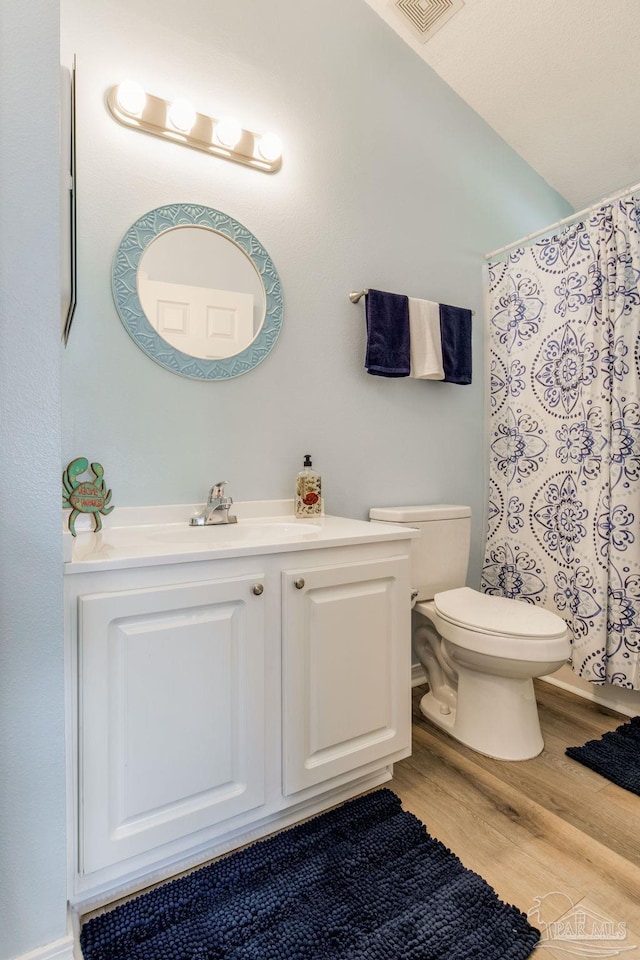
{"x":417,"y":675}
{"x":58,"y":950}
{"x":595,"y":696}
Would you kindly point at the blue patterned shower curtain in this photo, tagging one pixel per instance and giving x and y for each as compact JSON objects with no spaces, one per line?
{"x":564,"y":498}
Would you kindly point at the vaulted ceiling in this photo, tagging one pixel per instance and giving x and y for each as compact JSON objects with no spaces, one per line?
{"x":558,"y":80}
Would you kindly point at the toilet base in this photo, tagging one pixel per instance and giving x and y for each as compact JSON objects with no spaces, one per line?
{"x":496,"y":716}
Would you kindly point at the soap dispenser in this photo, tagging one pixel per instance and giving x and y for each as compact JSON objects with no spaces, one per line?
{"x":308,"y":501}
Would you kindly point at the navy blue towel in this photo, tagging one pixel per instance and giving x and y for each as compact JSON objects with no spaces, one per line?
{"x":455,"y":330}
{"x":388,"y":345}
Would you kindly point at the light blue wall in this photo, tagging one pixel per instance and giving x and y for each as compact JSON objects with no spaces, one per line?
{"x":32,"y":804}
{"x":389,"y":180}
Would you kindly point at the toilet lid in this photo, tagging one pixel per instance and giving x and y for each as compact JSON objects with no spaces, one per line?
{"x":497,"y":615}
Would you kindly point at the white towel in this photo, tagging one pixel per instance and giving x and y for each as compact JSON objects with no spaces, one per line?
{"x":426,"y":342}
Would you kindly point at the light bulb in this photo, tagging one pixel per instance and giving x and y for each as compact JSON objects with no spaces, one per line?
{"x":270,"y":147}
{"x":131,"y":97}
{"x":227,"y":132}
{"x":182,"y":115}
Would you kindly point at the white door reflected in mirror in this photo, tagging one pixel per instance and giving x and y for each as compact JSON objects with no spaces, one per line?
{"x":201,"y":292}
{"x":200,"y":321}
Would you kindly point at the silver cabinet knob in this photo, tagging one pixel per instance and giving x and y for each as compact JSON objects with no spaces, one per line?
{"x":298,"y":584}
{"x":258,"y":589}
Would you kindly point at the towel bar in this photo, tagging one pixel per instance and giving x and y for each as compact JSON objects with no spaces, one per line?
{"x":357,"y":295}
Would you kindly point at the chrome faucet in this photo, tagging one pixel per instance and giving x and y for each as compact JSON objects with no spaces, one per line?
{"x":217,"y":508}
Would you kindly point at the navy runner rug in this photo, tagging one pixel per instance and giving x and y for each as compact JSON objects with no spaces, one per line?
{"x":616,"y":755}
{"x":362,"y":882}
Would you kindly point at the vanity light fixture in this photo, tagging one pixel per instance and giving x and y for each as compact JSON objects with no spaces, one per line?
{"x":270,"y":147}
{"x":181,"y":115}
{"x":179,"y":121}
{"x":227,"y":132}
{"x":131,"y":98}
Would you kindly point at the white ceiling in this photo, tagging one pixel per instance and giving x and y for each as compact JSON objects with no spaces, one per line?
{"x":559,"y":80}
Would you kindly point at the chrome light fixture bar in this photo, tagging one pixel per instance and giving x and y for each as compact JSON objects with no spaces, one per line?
{"x":179,"y":122}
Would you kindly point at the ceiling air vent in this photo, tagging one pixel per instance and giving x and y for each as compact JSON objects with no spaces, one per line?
{"x":426,"y":16}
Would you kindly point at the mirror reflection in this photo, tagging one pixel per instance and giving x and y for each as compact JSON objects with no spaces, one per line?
{"x":201,"y":292}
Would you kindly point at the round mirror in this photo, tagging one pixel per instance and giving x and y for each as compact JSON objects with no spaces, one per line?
{"x":197,"y":292}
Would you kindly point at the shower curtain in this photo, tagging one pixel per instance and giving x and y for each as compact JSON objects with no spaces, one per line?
{"x":564,"y":491}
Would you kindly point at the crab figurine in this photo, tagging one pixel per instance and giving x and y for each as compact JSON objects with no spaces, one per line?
{"x":86,"y":496}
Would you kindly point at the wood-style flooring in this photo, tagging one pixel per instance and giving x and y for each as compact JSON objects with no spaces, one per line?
{"x":546,"y":831}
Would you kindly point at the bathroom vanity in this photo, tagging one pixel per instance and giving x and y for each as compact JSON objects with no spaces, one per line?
{"x":226,"y":681}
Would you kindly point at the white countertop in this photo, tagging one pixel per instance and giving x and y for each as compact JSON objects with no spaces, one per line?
{"x":147,"y":536}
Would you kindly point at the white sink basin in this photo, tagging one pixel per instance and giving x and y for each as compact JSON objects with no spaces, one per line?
{"x":255,"y":531}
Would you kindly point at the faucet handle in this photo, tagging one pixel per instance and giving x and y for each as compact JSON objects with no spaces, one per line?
{"x":217,"y":490}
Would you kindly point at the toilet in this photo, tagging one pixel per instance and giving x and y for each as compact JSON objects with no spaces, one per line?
{"x":480,"y":653}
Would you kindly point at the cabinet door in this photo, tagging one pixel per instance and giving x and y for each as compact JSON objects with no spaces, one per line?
{"x":346,"y":669}
{"x":171,"y":714}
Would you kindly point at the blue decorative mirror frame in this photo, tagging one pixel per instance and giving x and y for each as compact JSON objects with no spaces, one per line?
{"x":125,"y":291}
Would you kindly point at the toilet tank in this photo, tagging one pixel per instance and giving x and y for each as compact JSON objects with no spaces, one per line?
{"x":440,"y":555}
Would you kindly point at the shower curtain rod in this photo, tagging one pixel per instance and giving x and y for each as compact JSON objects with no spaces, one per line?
{"x":565,"y":220}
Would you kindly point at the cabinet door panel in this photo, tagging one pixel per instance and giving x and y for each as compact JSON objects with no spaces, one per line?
{"x":171,"y":714}
{"x":346,"y":668}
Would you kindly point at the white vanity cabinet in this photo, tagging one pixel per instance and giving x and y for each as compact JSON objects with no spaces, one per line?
{"x":171,"y":713}
{"x":344,"y":669}
{"x":212,"y":701}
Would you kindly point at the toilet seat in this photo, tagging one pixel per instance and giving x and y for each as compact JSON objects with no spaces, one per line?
{"x":497,"y":615}
{"x":497,"y":626}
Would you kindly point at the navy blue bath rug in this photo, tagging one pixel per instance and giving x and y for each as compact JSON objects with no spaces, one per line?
{"x":616,"y":755}
{"x":362,"y":882}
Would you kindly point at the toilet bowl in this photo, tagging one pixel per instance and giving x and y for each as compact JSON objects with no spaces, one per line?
{"x":480,"y":653}
{"x":494,"y":648}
